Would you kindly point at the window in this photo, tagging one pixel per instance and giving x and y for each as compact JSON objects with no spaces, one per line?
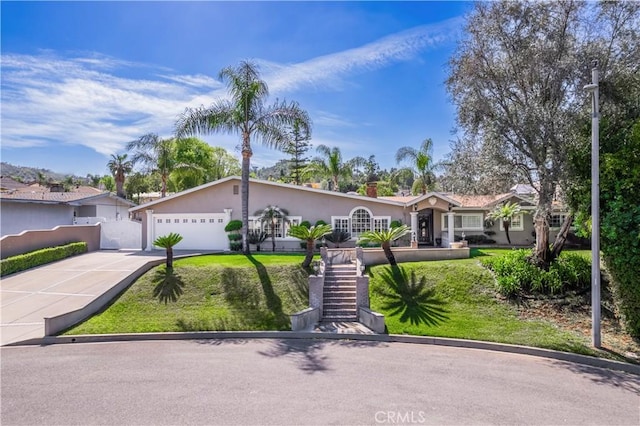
{"x":340,"y":223}
{"x":360,"y":222}
{"x":203,"y":221}
{"x":185,"y":220}
{"x":194,"y":220}
{"x":281,"y":229}
{"x":380,"y":224}
{"x":220,"y":221}
{"x":463,"y":222}
{"x":557,"y":220}
{"x":176,"y":220}
{"x":517,"y":223}
{"x":212,"y":221}
{"x":167,"y":220}
{"x":236,"y":189}
{"x":159,"y":220}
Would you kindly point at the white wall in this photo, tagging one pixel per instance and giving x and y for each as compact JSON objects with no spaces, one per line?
{"x":121,"y":234}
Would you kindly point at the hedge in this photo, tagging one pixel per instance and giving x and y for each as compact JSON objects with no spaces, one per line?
{"x":35,"y":258}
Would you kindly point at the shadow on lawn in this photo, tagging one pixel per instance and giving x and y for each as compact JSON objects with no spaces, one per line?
{"x":411,"y":299}
{"x":169,"y":285}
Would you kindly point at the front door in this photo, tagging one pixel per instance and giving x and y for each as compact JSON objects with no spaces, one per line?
{"x":425,"y":227}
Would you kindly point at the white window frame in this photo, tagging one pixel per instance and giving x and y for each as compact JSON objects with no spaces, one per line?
{"x":375,"y":222}
{"x":444,"y":223}
{"x":562,"y":216}
{"x":265,"y":227}
{"x":515,"y":225}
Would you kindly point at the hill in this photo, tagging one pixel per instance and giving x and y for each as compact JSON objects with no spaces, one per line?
{"x":30,"y":174}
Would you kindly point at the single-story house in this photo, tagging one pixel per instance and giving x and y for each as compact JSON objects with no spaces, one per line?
{"x":36,"y":208}
{"x":200,"y":214}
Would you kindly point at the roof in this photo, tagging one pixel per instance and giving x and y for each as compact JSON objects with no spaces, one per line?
{"x":7,"y":182}
{"x":265,"y":182}
{"x":74,"y":198}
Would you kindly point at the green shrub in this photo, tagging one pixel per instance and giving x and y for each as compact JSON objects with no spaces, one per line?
{"x":395,"y":224}
{"x":25,"y":261}
{"x":306,"y":224}
{"x":515,"y":274}
{"x":320,"y":222}
{"x":235,"y":245}
{"x":233,"y":225}
{"x":234,"y":237}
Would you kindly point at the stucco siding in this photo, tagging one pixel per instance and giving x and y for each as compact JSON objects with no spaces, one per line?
{"x":18,"y":217}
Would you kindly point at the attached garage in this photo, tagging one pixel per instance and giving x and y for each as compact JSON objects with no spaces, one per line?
{"x":200,"y":231}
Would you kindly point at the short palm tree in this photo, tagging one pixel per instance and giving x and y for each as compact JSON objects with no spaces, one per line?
{"x":385,"y":238}
{"x":505,"y":213}
{"x":119,"y":167}
{"x":422,"y":163}
{"x":338,"y":237}
{"x":257,"y":237}
{"x":330,"y":165}
{"x":167,"y":242}
{"x":310,"y":235}
{"x":271,"y":215}
{"x":245,"y":113}
{"x":156,"y":154}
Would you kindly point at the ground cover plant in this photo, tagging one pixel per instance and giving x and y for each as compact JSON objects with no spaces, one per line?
{"x":43,"y":256}
{"x":219,"y":292}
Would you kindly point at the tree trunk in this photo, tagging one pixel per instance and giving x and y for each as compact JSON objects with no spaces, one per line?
{"x":386,"y":247}
{"x":164,"y":185}
{"x":561,"y":238}
{"x":273,"y":237}
{"x":505,"y":225}
{"x":246,"y":163}
{"x":309,"y":257}
{"x":542,"y":254}
{"x":169,"y":257}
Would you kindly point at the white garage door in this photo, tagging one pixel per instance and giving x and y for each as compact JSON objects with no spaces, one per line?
{"x":204,"y":231}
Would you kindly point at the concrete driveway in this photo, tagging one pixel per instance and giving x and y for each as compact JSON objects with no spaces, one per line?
{"x":26,"y":298}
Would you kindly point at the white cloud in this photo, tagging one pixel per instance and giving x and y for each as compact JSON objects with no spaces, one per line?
{"x":328,"y":69}
{"x":90,"y":100}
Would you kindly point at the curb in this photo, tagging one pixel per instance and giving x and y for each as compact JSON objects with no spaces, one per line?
{"x":389,"y":338}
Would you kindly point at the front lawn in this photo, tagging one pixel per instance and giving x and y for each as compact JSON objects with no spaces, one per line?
{"x":215,"y":292}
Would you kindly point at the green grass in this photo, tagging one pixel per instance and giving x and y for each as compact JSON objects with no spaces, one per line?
{"x":454,"y":298}
{"x":216,"y":292}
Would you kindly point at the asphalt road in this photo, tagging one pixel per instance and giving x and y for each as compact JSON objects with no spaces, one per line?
{"x":299,"y":382}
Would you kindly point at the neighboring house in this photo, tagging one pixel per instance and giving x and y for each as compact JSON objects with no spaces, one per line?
{"x":200,"y":214}
{"x":37,"y":208}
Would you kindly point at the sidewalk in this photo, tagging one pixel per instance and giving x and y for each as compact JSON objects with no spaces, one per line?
{"x":26,"y":298}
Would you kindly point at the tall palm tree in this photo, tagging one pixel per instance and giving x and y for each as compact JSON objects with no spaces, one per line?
{"x":156,"y":155}
{"x":119,"y":166}
{"x":505,"y":213}
{"x":310,"y":235}
{"x":422,"y":163}
{"x":271,"y":215}
{"x":245,"y":113}
{"x":385,"y":238}
{"x":331,"y":166}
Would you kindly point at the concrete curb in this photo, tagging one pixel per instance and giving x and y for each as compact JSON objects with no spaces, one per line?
{"x":388,"y":338}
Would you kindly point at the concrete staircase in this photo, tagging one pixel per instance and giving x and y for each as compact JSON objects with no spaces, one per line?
{"x":339,"y":293}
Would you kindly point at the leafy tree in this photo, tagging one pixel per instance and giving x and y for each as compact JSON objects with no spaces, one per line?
{"x":136,"y":184}
{"x":168,"y":242}
{"x":155,"y":154}
{"x":385,"y":238}
{"x":108,"y":183}
{"x":271,"y":215}
{"x":297,"y":147}
{"x":119,"y":167}
{"x":94,"y":180}
{"x":310,"y":235}
{"x":192,"y":162}
{"x":244,"y":113}
{"x":330,"y":166}
{"x":505,"y":213}
{"x":422,"y":163}
{"x":224,"y":164}
{"x":514,"y":80}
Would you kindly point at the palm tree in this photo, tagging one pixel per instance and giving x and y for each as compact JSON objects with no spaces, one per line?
{"x":245,"y":113}
{"x":505,"y":213}
{"x":421,"y":163}
{"x":331,"y":166}
{"x":119,"y":167}
{"x":156,"y":154}
{"x":384,"y":238}
{"x":272,"y":215}
{"x":310,"y":235}
{"x":167,"y":242}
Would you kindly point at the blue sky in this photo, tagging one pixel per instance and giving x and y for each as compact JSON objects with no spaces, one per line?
{"x":81,"y":79}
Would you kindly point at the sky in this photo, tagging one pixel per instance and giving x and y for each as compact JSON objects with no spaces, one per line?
{"x":82,"y":79}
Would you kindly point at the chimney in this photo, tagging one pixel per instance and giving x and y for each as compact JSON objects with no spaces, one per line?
{"x":372,"y":189}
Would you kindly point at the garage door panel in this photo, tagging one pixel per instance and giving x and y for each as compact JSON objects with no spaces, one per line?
{"x":199,"y":231}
